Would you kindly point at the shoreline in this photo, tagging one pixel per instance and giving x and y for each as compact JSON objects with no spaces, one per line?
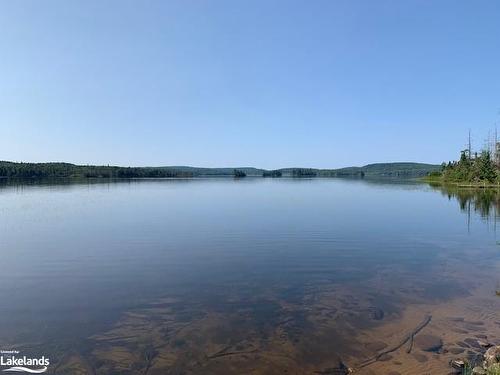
{"x":480,"y":185}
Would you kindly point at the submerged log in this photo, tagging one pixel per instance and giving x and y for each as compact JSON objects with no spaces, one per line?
{"x":409,"y":337}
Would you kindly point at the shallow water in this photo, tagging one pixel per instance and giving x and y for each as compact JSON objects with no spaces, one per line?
{"x":214,"y":276}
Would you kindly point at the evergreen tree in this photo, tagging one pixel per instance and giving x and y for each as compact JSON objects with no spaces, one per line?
{"x":485,"y":168}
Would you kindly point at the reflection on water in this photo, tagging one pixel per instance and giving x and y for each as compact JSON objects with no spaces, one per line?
{"x":222,"y":276}
{"x":484,"y":201}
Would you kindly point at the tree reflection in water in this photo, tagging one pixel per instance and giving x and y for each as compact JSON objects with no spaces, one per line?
{"x":482,"y":201}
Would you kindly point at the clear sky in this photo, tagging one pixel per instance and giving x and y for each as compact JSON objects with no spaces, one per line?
{"x":246,"y":82}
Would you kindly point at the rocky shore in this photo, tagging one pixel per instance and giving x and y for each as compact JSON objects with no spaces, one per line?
{"x":488,"y":365}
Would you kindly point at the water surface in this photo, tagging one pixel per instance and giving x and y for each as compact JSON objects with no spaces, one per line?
{"x":214,"y":276}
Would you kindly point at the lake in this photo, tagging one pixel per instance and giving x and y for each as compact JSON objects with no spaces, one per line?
{"x":248,"y":276}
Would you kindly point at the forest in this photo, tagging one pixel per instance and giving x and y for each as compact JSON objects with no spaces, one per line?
{"x":474,"y":169}
{"x":10,"y":169}
{"x":67,"y":170}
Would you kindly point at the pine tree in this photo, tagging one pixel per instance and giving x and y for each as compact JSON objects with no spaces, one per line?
{"x":485,"y":168}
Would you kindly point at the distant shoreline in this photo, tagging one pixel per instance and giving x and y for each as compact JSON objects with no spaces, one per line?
{"x":66,"y":170}
{"x":463,"y":184}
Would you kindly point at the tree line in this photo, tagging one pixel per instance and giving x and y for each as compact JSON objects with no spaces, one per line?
{"x":56,"y":170}
{"x":67,"y":170}
{"x":477,"y":168}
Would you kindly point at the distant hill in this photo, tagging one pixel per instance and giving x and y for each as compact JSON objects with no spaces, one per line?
{"x":51,"y":170}
{"x":402,"y":169}
{"x":392,"y":169}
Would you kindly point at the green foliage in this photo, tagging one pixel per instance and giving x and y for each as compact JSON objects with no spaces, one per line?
{"x":66,"y":170}
{"x":239,"y":173}
{"x":304,"y":172}
{"x":467,"y":370}
{"x":435,"y":174}
{"x":479,"y":169}
{"x":404,"y":169}
{"x":485,"y":168}
{"x":275,"y":173}
{"x":494,"y":369}
{"x":56,"y":170}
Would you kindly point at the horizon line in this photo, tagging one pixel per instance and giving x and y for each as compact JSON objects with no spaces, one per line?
{"x":227,"y":167}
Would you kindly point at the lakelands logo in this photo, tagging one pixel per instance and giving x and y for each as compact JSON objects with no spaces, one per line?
{"x":17,"y":363}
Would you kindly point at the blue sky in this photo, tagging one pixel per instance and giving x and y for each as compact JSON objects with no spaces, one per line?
{"x":235,"y":83}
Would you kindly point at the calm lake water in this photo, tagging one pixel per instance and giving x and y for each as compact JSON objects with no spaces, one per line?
{"x":263,"y":276}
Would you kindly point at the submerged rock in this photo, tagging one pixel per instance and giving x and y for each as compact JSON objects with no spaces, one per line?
{"x":376,"y":313}
{"x":428,"y":343}
{"x":457,"y":350}
{"x":484,"y":344}
{"x":472,"y":342}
